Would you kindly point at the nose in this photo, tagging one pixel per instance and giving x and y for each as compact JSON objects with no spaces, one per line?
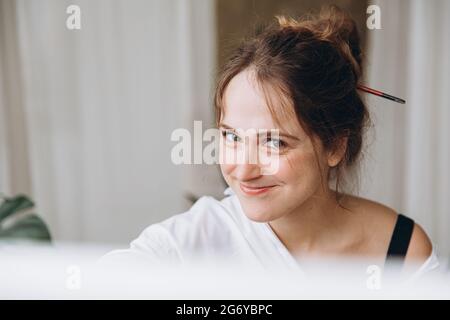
{"x":247,"y":171}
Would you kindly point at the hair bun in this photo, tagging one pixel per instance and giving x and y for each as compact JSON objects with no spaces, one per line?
{"x":333,"y":25}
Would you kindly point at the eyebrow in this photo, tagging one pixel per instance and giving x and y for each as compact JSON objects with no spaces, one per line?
{"x":281,"y":134}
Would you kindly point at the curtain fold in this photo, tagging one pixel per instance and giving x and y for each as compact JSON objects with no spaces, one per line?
{"x":410,"y":148}
{"x":100,"y":105}
{"x":14,"y":144}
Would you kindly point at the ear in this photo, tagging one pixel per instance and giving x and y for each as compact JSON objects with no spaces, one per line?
{"x":337,"y":154}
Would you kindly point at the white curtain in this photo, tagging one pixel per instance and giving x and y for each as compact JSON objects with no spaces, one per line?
{"x":14,"y":155}
{"x":99,"y":106}
{"x":407,"y":162}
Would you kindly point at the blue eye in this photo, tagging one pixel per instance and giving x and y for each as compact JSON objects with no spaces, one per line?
{"x":230,"y":136}
{"x":275,"y":144}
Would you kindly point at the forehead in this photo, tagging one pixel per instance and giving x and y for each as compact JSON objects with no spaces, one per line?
{"x":246,"y":106}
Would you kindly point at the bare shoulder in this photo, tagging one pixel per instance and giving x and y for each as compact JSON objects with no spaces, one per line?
{"x":377,"y":222}
{"x":420,"y":246}
{"x":374,"y":224}
{"x":378,"y":219}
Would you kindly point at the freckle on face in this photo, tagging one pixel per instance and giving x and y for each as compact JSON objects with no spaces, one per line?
{"x":298,"y":176}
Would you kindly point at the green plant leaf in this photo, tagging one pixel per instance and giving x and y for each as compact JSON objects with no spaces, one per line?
{"x":13,"y":205}
{"x":30,"y":227}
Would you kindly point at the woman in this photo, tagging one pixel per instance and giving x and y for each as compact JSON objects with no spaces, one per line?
{"x":300,"y":78}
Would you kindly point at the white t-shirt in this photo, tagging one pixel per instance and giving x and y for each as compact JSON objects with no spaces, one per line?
{"x":217,"y":232}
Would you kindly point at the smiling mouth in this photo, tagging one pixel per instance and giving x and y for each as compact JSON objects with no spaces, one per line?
{"x":254,"y":191}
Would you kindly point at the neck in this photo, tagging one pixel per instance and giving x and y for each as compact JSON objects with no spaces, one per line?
{"x":313,"y":227}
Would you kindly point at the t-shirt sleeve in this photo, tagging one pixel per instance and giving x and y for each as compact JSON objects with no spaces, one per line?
{"x":153,"y":246}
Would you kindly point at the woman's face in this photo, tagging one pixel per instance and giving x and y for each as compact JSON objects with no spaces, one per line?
{"x":297,"y":179}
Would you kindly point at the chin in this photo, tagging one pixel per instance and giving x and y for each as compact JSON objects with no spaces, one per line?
{"x":259,"y":213}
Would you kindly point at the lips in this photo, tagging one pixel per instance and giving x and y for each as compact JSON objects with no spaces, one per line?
{"x":254,"y":191}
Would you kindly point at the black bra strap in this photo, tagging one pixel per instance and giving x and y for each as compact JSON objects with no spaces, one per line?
{"x":401,"y":237}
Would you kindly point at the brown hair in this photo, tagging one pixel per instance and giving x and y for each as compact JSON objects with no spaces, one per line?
{"x":315,"y":64}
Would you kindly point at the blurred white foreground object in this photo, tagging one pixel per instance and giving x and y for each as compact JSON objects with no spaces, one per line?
{"x":73,"y":272}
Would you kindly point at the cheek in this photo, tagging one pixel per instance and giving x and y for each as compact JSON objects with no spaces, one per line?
{"x":299,"y":168}
{"x":226,"y":170}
